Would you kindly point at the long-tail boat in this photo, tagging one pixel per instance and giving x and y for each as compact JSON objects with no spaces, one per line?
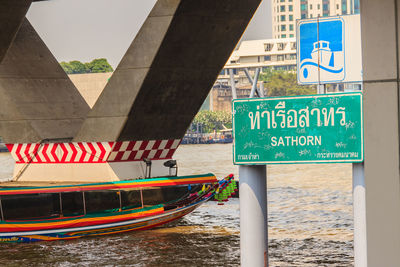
{"x":60,"y":212}
{"x":113,"y":187}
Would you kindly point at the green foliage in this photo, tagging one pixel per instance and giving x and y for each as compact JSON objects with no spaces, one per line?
{"x":99,"y":65}
{"x":210,"y":120}
{"x":267,"y":74}
{"x":284,"y":83}
{"x":78,"y":67}
{"x":66,"y":67}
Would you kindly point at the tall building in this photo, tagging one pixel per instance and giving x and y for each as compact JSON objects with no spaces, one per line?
{"x":278,"y":54}
{"x":286,"y":12}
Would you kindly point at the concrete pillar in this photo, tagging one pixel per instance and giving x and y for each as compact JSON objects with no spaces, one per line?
{"x":12,"y":12}
{"x":246,"y":71}
{"x":168,"y":70}
{"x":379,"y":33}
{"x":255,"y":81}
{"x":232,"y":83}
{"x":38,"y":100}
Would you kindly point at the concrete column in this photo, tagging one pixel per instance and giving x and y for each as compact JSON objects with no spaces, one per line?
{"x":261,"y":89}
{"x":232,"y":82}
{"x":253,"y":215}
{"x":246,"y":71}
{"x":12,"y":13}
{"x":170,"y":66}
{"x":255,"y":80}
{"x":379,"y":33}
{"x":38,"y":100}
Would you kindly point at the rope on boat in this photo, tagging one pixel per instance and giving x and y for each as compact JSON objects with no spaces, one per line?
{"x":35,"y":153}
{"x":32,"y":157}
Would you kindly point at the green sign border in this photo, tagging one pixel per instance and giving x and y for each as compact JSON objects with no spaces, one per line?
{"x":360,"y":94}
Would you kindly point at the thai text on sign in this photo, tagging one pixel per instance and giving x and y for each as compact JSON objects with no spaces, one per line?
{"x":303,"y":129}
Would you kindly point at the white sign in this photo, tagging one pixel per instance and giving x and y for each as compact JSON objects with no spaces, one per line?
{"x":329,"y":50}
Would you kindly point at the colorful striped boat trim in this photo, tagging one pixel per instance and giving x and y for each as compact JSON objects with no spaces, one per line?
{"x":20,"y":226}
{"x":142,"y":183}
{"x":99,"y":229}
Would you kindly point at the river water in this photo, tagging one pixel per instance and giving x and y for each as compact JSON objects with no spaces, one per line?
{"x":310,"y":223}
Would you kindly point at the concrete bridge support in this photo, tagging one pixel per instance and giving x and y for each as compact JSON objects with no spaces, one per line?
{"x":142,"y":113}
{"x":380,"y":44}
{"x":168,"y":70}
{"x":12,"y":13}
{"x":38,"y":100}
{"x":154,"y":93}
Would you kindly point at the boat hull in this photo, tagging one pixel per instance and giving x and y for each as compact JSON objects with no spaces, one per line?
{"x":101,"y":229}
{"x":63,"y":219}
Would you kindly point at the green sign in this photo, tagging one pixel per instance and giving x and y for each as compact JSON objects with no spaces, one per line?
{"x":299,"y":129}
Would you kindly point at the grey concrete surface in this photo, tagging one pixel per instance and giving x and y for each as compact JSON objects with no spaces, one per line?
{"x":168,"y":70}
{"x":380,"y":45}
{"x":12,"y":12}
{"x":38,"y":100}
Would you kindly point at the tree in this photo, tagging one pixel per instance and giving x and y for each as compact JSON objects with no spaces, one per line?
{"x":284,"y":83}
{"x":212,"y":120}
{"x":66,"y":67}
{"x":99,"y":65}
{"x":78,"y":67}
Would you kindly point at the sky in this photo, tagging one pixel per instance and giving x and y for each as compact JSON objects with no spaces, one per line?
{"x":260,"y":26}
{"x":88,"y":29}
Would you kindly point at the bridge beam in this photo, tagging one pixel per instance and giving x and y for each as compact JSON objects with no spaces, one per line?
{"x":145,"y":108}
{"x":168,"y":70}
{"x":12,"y":13}
{"x":38,"y":100}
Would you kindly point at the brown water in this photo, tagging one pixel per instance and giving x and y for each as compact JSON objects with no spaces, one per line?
{"x":310,"y":223}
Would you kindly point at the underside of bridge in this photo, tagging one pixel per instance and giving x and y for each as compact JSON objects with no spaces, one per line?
{"x":154,"y":93}
{"x":142,"y":113}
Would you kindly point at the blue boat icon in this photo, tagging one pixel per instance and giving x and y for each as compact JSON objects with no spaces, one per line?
{"x":330,"y":64}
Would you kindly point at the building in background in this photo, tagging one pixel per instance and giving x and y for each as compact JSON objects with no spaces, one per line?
{"x":279,"y":54}
{"x":274,"y":54}
{"x":286,"y":12}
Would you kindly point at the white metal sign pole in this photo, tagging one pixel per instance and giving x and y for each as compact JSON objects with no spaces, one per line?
{"x":253,"y":214}
{"x":359,"y":214}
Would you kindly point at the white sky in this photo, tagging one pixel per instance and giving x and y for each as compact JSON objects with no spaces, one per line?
{"x":88,"y":29}
{"x":260,"y":26}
